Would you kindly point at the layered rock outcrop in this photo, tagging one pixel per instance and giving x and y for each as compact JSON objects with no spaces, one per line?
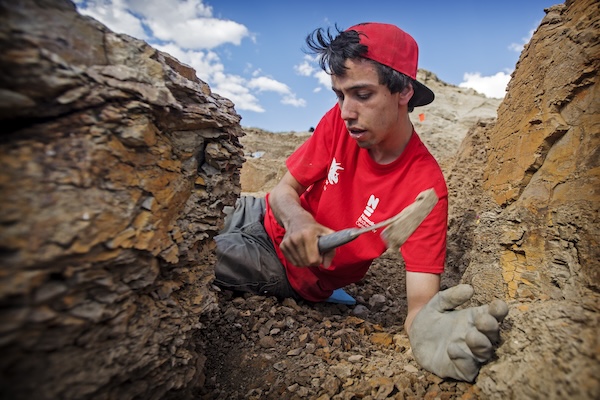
{"x":115,"y":164}
{"x":532,"y":219}
{"x":545,"y":164}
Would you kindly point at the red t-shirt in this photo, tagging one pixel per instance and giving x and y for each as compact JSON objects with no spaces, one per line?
{"x":346,"y":188}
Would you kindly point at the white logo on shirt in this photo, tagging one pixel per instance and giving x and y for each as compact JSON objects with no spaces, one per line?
{"x":333,"y":175}
{"x":365,"y":218}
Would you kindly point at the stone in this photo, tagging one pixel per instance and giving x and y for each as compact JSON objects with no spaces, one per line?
{"x":382,"y":338}
{"x":376,"y":302}
{"x":543,"y":166}
{"x":360,"y":311}
{"x":115,"y":165}
{"x":343,"y":370}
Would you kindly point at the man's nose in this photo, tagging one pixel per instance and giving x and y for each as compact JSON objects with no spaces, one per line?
{"x":348,"y":110}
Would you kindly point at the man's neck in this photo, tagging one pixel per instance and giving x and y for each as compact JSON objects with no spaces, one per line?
{"x":389,"y":151}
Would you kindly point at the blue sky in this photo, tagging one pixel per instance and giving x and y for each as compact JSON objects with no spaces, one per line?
{"x":252,"y":51}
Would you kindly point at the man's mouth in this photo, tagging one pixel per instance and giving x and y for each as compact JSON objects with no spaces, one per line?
{"x":356,"y":133}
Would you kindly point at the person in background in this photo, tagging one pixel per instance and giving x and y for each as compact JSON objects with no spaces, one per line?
{"x":363,"y":163}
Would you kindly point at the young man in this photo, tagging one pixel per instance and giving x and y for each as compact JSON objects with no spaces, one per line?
{"x":364,"y":163}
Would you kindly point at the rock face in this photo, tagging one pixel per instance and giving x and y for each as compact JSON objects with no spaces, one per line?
{"x":533,"y":219}
{"x":545,"y":165}
{"x":115,"y":164}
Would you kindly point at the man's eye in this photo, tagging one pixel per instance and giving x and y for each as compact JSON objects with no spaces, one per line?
{"x":363,"y":96}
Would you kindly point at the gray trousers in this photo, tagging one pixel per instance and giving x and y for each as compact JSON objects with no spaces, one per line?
{"x":246,"y":258}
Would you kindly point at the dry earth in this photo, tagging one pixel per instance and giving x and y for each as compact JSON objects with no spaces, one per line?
{"x":262,"y":348}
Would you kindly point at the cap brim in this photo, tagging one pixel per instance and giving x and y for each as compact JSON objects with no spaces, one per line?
{"x":423,"y":95}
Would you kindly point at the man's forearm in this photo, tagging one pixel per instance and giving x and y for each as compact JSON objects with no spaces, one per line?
{"x":284,"y":200}
{"x":302,"y":231}
{"x":420,"y":288}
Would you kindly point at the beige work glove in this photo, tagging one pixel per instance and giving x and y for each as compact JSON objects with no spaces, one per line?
{"x":454,"y":343}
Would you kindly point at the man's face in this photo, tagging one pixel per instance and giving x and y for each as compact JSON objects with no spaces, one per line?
{"x":372,"y":114}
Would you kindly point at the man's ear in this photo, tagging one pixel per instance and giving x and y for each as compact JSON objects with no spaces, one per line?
{"x":405,"y":95}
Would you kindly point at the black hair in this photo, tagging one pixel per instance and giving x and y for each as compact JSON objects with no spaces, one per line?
{"x":333,"y":51}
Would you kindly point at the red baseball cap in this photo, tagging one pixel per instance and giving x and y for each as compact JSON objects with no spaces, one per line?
{"x":389,"y":45}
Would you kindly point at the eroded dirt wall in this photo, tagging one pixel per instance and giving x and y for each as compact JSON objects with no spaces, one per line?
{"x":115,"y":164}
{"x":535,"y":227}
{"x":545,"y":163}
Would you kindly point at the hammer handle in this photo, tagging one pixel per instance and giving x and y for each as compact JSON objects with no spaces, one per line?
{"x":329,"y":242}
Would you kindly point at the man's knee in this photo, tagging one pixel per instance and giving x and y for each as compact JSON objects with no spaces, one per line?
{"x":247,"y":210}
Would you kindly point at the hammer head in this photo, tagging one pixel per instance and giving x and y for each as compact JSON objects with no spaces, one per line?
{"x":405,"y":223}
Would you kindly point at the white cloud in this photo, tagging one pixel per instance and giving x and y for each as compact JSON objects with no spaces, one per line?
{"x":292,"y":100}
{"x":491,"y":86}
{"x":304,"y":69}
{"x":518,"y":47}
{"x":324,"y":78}
{"x":309,"y":67}
{"x":264,"y":84}
{"x":235,"y":89}
{"x":184,"y":9}
{"x":198,"y":33}
{"x":187,"y":23}
{"x":495,"y":85}
{"x":114,"y":15}
{"x":187,"y":30}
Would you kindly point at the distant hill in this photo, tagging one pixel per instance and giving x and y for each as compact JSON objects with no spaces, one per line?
{"x":453,"y":112}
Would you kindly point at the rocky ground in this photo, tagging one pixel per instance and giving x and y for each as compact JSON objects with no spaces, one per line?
{"x":262,"y":348}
